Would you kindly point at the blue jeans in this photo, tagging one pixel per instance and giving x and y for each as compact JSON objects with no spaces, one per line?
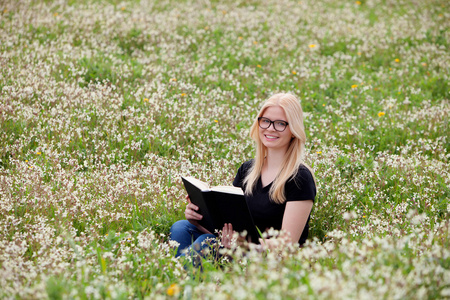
{"x":190,"y":238}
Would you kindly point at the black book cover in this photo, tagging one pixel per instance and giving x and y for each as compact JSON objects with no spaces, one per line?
{"x":220,"y":207}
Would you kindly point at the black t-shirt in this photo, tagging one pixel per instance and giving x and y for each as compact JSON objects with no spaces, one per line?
{"x":268,"y":214}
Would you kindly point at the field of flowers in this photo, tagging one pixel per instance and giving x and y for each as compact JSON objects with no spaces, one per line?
{"x":105,"y":103}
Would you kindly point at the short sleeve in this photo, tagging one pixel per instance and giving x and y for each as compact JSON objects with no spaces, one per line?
{"x":241,"y":173}
{"x":301,"y":187}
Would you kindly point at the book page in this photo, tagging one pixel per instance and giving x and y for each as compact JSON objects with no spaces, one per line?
{"x":228,"y":189}
{"x":203,"y":186}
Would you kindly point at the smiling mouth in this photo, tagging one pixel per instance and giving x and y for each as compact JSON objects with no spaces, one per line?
{"x":270,"y":137}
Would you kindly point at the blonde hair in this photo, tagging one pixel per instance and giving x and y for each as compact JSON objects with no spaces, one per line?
{"x":294,"y":154}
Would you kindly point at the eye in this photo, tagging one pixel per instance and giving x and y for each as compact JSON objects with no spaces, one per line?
{"x":265,"y":121}
{"x":280,"y":123}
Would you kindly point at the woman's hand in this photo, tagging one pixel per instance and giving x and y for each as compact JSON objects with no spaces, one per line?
{"x":191,"y":213}
{"x":227,"y":235}
{"x":193,"y":216}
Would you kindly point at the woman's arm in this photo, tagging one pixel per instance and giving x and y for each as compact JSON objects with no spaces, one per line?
{"x":295,"y":217}
{"x":294,"y":220}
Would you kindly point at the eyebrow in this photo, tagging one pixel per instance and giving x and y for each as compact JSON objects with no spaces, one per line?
{"x":274,"y":120}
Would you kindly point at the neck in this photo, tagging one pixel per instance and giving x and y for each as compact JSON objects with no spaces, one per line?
{"x":275,"y":158}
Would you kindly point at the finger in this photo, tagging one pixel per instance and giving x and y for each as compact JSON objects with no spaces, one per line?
{"x":224,"y":231}
{"x":190,"y":214}
{"x":224,"y":234}
{"x":194,"y":216}
{"x":192,"y":206}
{"x":229,"y":229}
{"x":188,"y":199}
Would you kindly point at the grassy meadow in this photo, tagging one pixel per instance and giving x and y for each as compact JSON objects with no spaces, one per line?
{"x":105,"y":103}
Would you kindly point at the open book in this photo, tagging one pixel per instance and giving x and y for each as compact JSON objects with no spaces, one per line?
{"x":220,"y":205}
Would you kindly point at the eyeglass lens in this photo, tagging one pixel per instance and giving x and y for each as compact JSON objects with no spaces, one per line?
{"x":278,"y":125}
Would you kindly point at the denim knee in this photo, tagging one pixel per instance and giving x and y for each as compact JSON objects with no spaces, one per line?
{"x":181,"y":225}
{"x":184,"y":233}
{"x":204,"y":241}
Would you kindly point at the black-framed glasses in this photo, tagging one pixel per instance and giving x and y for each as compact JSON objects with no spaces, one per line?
{"x":278,"y":125}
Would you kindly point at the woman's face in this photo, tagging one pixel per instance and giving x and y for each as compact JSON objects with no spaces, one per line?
{"x":270,"y":137}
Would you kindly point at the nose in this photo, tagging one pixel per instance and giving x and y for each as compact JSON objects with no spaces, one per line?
{"x":271,"y":125}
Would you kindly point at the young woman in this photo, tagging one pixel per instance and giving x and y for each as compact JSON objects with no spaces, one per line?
{"x":279,"y":188}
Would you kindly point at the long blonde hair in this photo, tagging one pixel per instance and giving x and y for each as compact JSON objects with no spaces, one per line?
{"x":294,"y":154}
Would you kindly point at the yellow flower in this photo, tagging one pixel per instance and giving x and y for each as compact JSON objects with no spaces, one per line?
{"x":255,"y":42}
{"x":173,"y":79}
{"x":354,"y":86}
{"x":216,"y":121}
{"x":380,"y":114}
{"x":312,"y":46}
{"x":293,"y":72}
{"x":323,"y":104}
{"x":397,"y":60}
{"x":123,"y":8}
{"x":424,"y":64}
{"x":358,"y":2}
{"x":38,"y":153}
{"x":259,"y":66}
{"x":55,"y":14}
{"x":359,"y":53}
{"x":26,"y":160}
{"x":183,"y":95}
{"x":224,"y":12}
{"x":364,"y":216}
{"x":240,"y":37}
{"x":319,"y":152}
{"x":173,"y":290}
{"x":146,"y":99}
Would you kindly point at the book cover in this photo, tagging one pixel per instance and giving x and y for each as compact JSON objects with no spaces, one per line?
{"x":220,"y":205}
